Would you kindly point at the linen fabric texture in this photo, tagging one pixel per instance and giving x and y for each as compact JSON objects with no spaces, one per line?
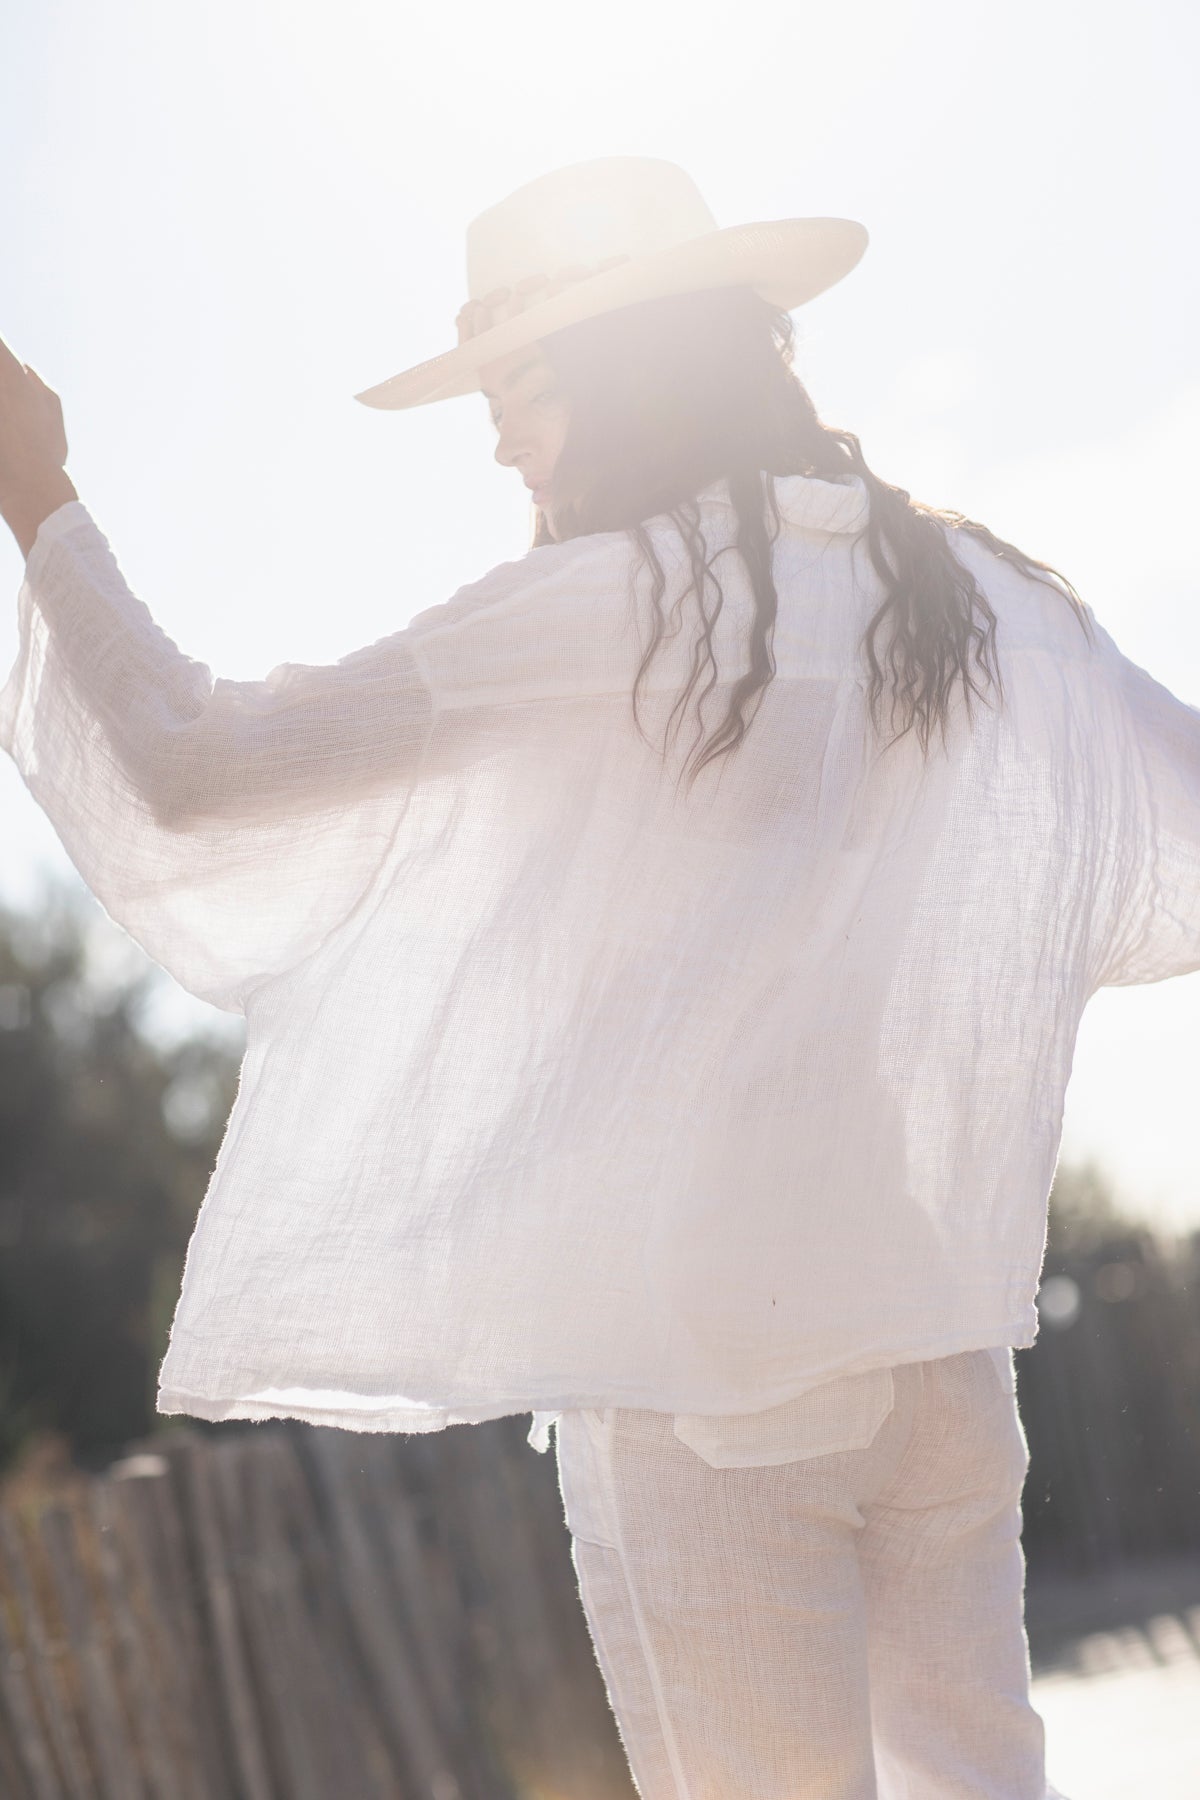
{"x":842,"y":1625}
{"x":564,"y":1086}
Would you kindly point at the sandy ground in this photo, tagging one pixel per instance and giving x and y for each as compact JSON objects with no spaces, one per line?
{"x":1116,"y":1665}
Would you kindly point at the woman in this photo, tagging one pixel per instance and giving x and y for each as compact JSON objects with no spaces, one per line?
{"x":700,"y":1093}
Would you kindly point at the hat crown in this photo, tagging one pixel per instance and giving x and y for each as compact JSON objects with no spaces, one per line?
{"x":571,"y":219}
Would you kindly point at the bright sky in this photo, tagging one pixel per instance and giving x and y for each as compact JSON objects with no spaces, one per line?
{"x":219,"y":222}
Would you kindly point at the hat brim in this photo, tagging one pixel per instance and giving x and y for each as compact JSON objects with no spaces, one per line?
{"x":787,"y":261}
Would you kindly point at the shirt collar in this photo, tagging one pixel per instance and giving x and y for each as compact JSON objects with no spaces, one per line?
{"x":807,"y":501}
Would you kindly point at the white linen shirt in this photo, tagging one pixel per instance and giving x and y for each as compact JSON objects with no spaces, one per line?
{"x":564,"y":1088}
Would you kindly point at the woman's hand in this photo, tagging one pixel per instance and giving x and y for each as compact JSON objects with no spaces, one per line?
{"x":33,"y":449}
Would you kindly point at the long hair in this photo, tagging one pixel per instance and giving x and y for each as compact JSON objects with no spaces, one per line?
{"x":668,"y":395}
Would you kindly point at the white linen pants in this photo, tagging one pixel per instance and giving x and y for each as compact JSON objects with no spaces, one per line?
{"x":847,"y":1625}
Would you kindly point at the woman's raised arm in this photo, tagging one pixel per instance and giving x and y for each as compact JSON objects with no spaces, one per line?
{"x":229,"y":826}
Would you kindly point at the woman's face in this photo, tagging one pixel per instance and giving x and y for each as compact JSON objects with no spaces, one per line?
{"x":530,"y":417}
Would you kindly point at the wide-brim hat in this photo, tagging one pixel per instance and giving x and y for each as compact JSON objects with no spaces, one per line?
{"x":594,"y":236}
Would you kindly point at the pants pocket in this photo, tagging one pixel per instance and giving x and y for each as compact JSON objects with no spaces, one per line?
{"x":846,"y":1413}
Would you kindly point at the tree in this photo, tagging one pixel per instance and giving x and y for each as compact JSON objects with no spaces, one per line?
{"x":107,"y":1138}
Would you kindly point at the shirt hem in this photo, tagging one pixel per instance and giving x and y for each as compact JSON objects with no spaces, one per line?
{"x":407,"y":1416}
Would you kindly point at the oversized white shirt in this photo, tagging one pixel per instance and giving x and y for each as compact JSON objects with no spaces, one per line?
{"x":564,"y":1087}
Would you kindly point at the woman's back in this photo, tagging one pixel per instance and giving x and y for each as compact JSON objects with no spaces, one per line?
{"x":566,"y":1083}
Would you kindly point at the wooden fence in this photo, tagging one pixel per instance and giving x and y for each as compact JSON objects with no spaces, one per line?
{"x":280,"y":1613}
{"x":275,"y":1613}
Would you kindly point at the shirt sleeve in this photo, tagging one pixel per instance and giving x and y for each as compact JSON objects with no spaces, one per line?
{"x":1162,"y":935}
{"x":228,"y":826}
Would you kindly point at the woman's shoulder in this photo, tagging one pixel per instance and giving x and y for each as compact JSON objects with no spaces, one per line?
{"x":544,"y":572}
{"x":1034,"y":611}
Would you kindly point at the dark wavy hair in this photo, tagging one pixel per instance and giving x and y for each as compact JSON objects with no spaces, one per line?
{"x":668,"y":395}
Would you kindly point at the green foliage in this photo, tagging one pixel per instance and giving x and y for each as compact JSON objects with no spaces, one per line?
{"x":1110,"y":1392}
{"x":1084,"y":1211}
{"x":107,"y":1139}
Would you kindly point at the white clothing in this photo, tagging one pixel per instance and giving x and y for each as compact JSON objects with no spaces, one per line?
{"x":843,"y":1625}
{"x":563,"y":1088}
{"x":837,"y":1414}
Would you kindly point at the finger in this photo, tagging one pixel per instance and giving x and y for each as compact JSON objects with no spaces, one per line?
{"x":9,"y":365}
{"x":49,"y":397}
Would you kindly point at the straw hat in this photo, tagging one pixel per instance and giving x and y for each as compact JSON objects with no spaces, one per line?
{"x":597,"y":235}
